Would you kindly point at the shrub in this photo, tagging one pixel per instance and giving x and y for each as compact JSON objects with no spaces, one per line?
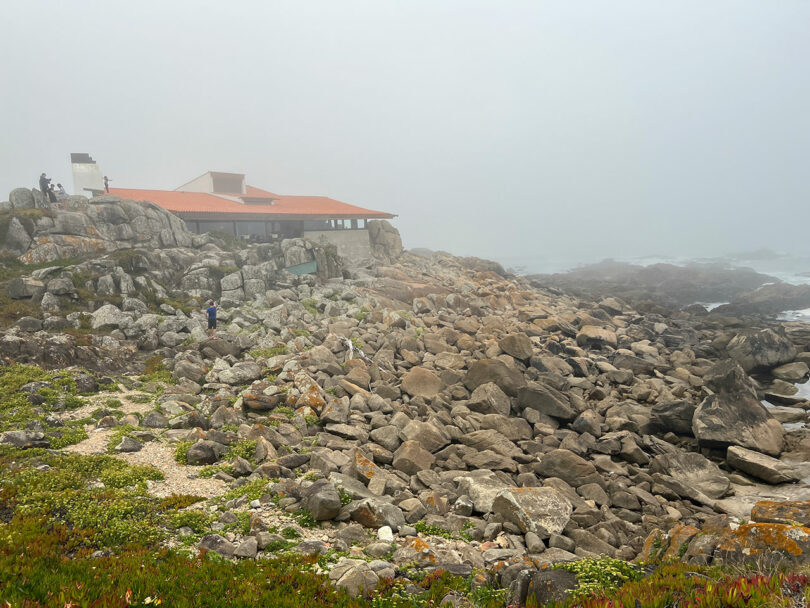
{"x":155,"y":371}
{"x":181,"y":451}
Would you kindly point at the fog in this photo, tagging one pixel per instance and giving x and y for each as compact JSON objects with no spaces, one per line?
{"x":509,"y":130}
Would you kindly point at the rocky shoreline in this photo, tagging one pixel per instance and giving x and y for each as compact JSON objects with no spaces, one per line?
{"x":469,"y":419}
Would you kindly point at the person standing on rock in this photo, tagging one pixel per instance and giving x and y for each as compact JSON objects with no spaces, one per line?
{"x":61,"y":194}
{"x":51,"y":194}
{"x":106,"y":184}
{"x":212,"y":319}
{"x":43,"y":184}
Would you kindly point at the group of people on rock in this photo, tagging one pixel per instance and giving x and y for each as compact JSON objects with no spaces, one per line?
{"x":54,"y":194}
{"x":57,"y":194}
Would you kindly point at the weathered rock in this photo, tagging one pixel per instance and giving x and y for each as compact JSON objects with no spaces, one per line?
{"x":693,"y":470}
{"x":489,"y":399}
{"x":792,"y":372}
{"x":247,"y":549}
{"x":591,"y":335}
{"x":507,"y":378}
{"x":25,"y":439}
{"x":205,"y":452}
{"x":214,"y":542}
{"x":354,"y":575}
{"x":322,"y":500}
{"x":542,"y":511}
{"x":782,"y":512}
{"x":517,"y":345}
{"x":421,"y":382}
{"x":569,"y":467}
{"x":762,"y":467}
{"x":760,"y":350}
{"x":545,"y":400}
{"x":734,"y":416}
{"x":411,"y":457}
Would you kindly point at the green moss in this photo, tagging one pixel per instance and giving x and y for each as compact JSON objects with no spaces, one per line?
{"x":275,"y":351}
{"x":155,"y":371}
{"x":600,"y":574}
{"x":310,"y":306}
{"x":252,"y":489}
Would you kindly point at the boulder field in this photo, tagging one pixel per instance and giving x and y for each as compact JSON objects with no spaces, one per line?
{"x":467,"y":417}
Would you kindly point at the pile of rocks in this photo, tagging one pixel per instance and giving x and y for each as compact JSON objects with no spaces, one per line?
{"x":471,"y":418}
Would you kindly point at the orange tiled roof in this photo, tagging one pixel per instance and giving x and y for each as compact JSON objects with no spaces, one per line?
{"x":203,"y":202}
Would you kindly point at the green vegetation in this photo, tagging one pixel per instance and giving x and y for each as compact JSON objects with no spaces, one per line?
{"x":275,"y":351}
{"x":181,"y":450}
{"x":252,"y":489}
{"x":155,"y":371}
{"x":679,"y":585}
{"x":310,"y":305}
{"x":17,"y":409}
{"x":429,"y":530}
{"x":601,"y":574}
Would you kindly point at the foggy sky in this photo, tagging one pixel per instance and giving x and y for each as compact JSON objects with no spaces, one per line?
{"x":507,"y":130}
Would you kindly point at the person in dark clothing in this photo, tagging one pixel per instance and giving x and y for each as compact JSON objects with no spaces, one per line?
{"x":212,"y":319}
{"x":51,"y":194}
{"x":106,"y":184}
{"x":43,"y":184}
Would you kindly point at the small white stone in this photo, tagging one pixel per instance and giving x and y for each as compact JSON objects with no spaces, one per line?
{"x":385,"y":534}
{"x":255,"y":504}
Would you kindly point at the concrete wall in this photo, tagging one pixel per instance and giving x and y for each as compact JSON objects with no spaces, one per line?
{"x":87,"y":175}
{"x":351,"y":244}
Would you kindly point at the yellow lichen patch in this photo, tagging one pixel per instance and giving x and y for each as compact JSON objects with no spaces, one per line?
{"x":751,"y":539}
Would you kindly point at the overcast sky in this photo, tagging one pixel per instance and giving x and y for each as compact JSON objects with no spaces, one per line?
{"x":508,"y":130}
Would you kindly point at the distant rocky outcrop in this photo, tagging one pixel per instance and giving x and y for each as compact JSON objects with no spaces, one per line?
{"x":666,"y":284}
{"x":36,"y":233}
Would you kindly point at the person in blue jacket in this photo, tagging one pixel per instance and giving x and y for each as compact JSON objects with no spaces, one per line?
{"x":212,"y":319}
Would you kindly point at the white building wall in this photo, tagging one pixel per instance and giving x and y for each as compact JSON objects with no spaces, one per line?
{"x":87,"y":175}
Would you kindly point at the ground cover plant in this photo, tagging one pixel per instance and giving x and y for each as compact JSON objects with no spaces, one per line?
{"x":55,"y":392}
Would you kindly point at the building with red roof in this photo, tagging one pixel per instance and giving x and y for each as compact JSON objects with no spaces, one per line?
{"x":224,"y":202}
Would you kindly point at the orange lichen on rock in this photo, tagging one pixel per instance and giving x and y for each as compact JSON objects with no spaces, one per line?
{"x":782,"y":512}
{"x":756,"y":538}
{"x":654,"y":545}
{"x":677,"y":537}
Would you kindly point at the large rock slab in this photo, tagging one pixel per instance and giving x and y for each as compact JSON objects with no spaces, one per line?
{"x":421,"y":382}
{"x":762,"y":467}
{"x":734,"y":415}
{"x":546,"y":400}
{"x":761,"y":350}
{"x":783,"y":512}
{"x":573,"y":469}
{"x":518,"y":345}
{"x":411,"y":457}
{"x":482,"y":487}
{"x":543,"y":511}
{"x":594,"y":336}
{"x":426,"y":434}
{"x":489,"y":399}
{"x":693,"y":470}
{"x":507,"y":378}
{"x":322,"y":500}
